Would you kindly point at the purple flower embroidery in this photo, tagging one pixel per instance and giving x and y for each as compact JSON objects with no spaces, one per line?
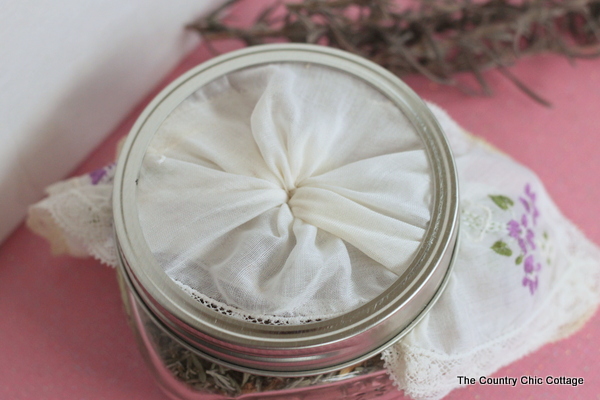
{"x":532,"y":283}
{"x":525,"y":203}
{"x":102,"y":174}
{"x":522,"y":230}
{"x":530,"y":265}
{"x":97,"y":175}
{"x":514,"y":229}
{"x":524,"y":220}
{"x":530,"y":193}
{"x":535,"y":213}
{"x":530,"y":236}
{"x":522,"y":245}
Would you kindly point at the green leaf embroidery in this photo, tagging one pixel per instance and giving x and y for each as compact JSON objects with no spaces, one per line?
{"x":519,"y":260}
{"x":502,"y":201}
{"x":501,"y":248}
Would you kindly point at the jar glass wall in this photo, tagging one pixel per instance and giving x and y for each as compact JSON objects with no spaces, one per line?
{"x":184,"y":374}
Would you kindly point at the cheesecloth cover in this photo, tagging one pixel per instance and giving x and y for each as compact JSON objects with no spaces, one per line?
{"x":290,"y":190}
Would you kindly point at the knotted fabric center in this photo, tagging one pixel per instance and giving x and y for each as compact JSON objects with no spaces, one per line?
{"x":285,"y":189}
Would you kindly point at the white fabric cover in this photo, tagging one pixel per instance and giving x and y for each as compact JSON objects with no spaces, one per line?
{"x":288,"y":190}
{"x":491,"y":314}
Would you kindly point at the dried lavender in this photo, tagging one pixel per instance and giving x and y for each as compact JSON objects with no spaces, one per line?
{"x":435,"y":38}
{"x":204,"y":375}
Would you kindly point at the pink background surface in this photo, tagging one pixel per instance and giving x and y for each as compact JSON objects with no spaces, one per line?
{"x":63,"y":333}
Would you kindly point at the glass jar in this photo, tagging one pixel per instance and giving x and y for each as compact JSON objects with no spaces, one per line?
{"x":183,"y":373}
{"x":202,"y":347}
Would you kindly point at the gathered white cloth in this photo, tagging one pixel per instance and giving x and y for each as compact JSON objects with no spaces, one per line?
{"x":523,"y":275}
{"x":285,"y":190}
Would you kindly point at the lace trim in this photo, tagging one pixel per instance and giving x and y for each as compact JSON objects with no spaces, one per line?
{"x":76,"y":217}
{"x":224,"y":309}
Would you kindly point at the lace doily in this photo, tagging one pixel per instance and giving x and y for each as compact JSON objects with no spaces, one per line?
{"x":524,"y":276}
{"x":76,"y":217}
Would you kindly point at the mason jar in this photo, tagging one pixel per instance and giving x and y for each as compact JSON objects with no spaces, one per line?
{"x":230,"y":302}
